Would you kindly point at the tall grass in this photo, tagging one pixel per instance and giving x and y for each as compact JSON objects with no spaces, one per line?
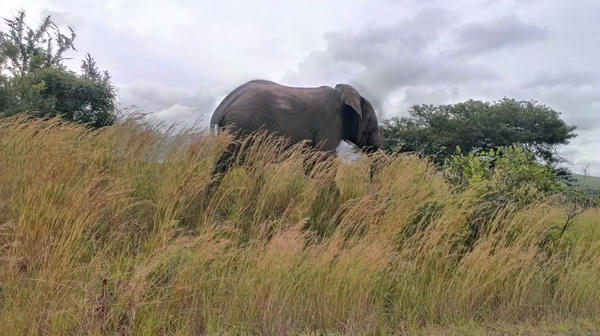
{"x":112,"y":232}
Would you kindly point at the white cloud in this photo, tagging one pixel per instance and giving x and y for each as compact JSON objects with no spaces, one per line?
{"x":178,"y":113}
{"x":170,"y":104}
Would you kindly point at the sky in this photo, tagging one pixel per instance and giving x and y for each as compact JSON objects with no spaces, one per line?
{"x":178,"y":59}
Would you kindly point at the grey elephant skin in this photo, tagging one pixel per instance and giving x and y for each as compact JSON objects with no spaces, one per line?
{"x":323,"y":115}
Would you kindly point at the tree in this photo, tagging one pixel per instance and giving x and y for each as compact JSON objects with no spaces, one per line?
{"x":476,"y":126}
{"x":28,"y":49}
{"x":33,"y":78}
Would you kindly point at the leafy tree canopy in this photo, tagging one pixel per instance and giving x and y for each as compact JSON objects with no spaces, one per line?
{"x":477,"y":126}
{"x":33,"y":78}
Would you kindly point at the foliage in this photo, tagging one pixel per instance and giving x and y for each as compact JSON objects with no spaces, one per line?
{"x":505,"y":170}
{"x":511,"y":174}
{"x":109,"y":232}
{"x":49,"y":92}
{"x":33,"y":78}
{"x":477,"y":126}
{"x":25,"y":49}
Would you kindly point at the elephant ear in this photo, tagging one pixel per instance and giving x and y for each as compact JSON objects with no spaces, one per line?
{"x":350,"y":97}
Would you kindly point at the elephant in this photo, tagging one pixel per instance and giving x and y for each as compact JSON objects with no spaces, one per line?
{"x":322,"y":115}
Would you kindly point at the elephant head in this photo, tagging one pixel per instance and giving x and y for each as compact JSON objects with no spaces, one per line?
{"x":360,"y":120}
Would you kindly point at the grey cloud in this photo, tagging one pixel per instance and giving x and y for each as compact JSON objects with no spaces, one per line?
{"x":565,"y":78}
{"x":181,"y":114}
{"x":579,"y":105}
{"x":427,"y":95}
{"x":582,"y":153}
{"x":372,"y":44}
{"x":399,"y":101}
{"x":589,"y":137}
{"x":576,"y":164}
{"x":170,"y":104}
{"x":485,"y":37}
{"x":66,"y":18}
{"x":386,"y":58}
{"x":569,"y":152}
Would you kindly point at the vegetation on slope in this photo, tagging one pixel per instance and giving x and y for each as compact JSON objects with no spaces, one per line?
{"x":110,"y":232}
{"x":588,"y":184}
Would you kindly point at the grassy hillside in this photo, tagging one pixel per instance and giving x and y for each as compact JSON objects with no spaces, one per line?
{"x":110,"y":232}
{"x":590,"y":184}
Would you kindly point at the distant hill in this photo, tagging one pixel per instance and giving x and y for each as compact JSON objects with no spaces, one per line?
{"x":589,"y":184}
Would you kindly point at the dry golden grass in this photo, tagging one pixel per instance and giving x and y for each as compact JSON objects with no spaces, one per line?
{"x":110,"y":232}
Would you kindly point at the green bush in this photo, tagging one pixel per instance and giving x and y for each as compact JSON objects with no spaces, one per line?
{"x":509,"y":171}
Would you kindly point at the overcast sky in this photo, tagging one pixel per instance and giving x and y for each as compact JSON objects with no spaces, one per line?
{"x":178,"y":59}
